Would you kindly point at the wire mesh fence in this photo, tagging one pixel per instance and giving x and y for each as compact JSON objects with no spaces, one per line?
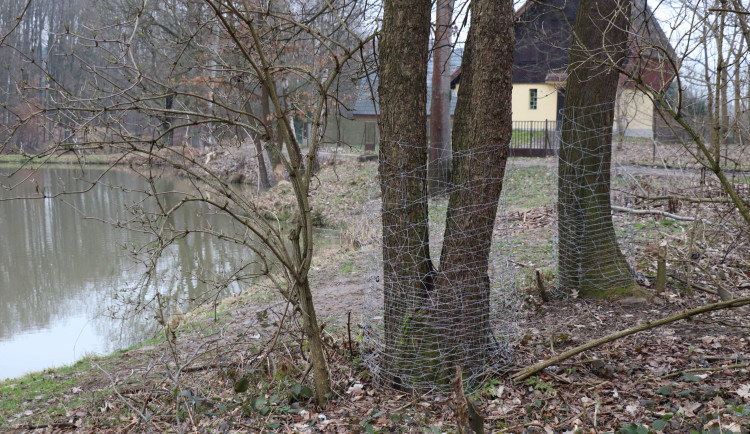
{"x":449,"y":300}
{"x":614,"y":216}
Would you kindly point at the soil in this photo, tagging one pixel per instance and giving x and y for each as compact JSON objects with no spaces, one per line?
{"x":690,"y":375}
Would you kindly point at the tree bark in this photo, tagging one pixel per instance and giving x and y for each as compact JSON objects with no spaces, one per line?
{"x":403,"y":159}
{"x":590,"y":260}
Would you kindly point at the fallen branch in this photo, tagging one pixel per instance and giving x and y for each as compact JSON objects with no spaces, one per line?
{"x":685,"y":199}
{"x":652,"y":211}
{"x":531,"y":370}
{"x":719,"y":368}
{"x":697,"y":286}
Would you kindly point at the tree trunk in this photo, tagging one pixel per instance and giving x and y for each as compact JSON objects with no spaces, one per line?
{"x":402,"y":168}
{"x":590,"y":260}
{"x":315,"y":341}
{"x":440,"y":104}
{"x":481,"y":136}
{"x":166,"y":125}
{"x":272,"y":136}
{"x":736,"y":124}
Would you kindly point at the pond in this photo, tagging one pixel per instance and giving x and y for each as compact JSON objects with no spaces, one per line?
{"x":69,"y":285}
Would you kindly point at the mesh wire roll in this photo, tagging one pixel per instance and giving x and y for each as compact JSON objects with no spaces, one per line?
{"x":464,"y":317}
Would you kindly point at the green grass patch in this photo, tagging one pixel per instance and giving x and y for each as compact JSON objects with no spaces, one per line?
{"x":57,"y":159}
{"x":52,"y":395}
{"x":530,"y":187}
{"x":44,"y":397}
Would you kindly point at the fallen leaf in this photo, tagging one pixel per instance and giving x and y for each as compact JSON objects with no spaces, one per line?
{"x":744,"y":391}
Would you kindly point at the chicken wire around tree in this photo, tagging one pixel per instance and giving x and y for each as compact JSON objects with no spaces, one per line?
{"x":468,"y":321}
{"x":589,"y":256}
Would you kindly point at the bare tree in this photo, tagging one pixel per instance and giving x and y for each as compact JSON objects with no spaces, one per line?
{"x":148,"y":78}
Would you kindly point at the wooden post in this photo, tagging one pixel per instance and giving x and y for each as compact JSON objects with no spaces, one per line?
{"x":540,"y":286}
{"x":661,"y":269}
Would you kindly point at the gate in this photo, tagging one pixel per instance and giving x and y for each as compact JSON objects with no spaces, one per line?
{"x":534,"y":139}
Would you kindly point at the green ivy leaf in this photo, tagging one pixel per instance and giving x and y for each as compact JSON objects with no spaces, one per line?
{"x":242,"y":385}
{"x":664,"y":391}
{"x":688,"y":377}
{"x":659,"y":424}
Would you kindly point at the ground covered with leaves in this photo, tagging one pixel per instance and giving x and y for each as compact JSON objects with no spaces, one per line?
{"x":240,"y":365}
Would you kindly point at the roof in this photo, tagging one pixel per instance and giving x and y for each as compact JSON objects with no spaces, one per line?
{"x":367,"y":92}
{"x":543,"y":36}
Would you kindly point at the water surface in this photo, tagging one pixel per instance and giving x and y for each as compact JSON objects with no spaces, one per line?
{"x":66,"y":270}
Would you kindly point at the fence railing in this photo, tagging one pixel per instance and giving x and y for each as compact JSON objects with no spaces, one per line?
{"x":534,"y":139}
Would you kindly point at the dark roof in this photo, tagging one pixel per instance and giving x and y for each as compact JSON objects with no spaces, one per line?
{"x":367,"y":93}
{"x":542,"y":31}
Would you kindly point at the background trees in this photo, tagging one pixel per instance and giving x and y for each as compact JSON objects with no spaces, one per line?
{"x":152,"y":80}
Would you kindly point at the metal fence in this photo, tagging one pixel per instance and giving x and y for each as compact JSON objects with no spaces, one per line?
{"x":534,"y":139}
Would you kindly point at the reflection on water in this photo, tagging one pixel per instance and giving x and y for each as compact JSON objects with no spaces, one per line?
{"x":65,"y":268}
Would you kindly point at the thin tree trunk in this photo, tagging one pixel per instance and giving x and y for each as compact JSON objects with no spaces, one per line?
{"x":317,"y":353}
{"x":590,"y":260}
{"x":736,"y":125}
{"x":263,"y":178}
{"x":440,"y":117}
{"x":166,"y":125}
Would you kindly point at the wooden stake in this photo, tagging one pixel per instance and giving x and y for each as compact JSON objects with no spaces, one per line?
{"x":661,"y":269}
{"x":540,"y":286}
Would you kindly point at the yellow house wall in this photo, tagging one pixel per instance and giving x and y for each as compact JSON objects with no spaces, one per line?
{"x":546,"y":103}
{"x":634,"y":112}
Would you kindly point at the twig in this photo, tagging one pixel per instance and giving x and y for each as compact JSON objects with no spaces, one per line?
{"x":531,"y":370}
{"x":720,"y":368}
{"x":349,"y":330}
{"x":59,"y":425}
{"x":652,"y":211}
{"x":734,"y":11}
{"x":693,"y":284}
{"x":142,"y":417}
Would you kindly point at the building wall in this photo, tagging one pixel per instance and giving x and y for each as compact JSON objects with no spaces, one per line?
{"x":634,"y":113}
{"x":546,"y":107}
{"x":352,"y":132}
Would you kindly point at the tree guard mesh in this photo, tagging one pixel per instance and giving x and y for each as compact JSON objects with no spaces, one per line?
{"x":417,"y":325}
{"x":589,"y":256}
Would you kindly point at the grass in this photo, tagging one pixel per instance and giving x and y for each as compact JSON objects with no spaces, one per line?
{"x":54,"y":387}
{"x":47,"y":396}
{"x":529,"y":187}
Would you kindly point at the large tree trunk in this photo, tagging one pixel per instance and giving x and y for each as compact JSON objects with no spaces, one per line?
{"x":590,"y":260}
{"x":440,"y":104}
{"x":402,"y":168}
{"x":481,"y":136}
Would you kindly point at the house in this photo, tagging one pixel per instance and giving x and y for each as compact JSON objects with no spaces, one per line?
{"x":542,"y":31}
{"x":363,"y":125}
